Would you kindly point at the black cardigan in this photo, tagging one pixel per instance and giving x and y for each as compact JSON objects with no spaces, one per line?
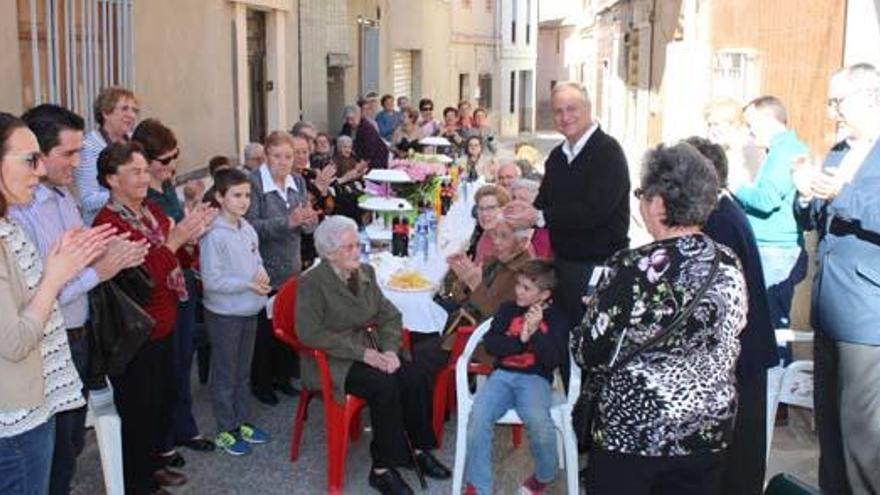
{"x":586,"y":203}
{"x":729,"y":226}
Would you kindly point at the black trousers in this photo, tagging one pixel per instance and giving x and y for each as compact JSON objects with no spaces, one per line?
{"x":610,"y":473}
{"x":744,"y":461}
{"x":273,"y":361}
{"x":70,"y":426}
{"x":400,"y":404}
{"x":573,"y":279}
{"x":144,"y":397}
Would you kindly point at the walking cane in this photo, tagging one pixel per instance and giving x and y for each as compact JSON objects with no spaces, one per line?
{"x":412,"y":452}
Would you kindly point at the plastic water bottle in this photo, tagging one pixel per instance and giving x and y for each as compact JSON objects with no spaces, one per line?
{"x":364,"y":242}
{"x":421,"y":234}
{"x":432,"y":226}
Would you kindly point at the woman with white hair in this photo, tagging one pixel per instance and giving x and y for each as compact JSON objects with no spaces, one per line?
{"x":527,"y":190}
{"x":339,"y":305}
{"x":350,"y":171}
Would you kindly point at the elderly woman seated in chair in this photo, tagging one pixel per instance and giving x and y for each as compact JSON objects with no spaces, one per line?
{"x":338,"y":303}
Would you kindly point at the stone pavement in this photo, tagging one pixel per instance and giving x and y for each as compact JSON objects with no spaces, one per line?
{"x":268,"y":471}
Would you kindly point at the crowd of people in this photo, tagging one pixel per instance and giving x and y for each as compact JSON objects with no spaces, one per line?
{"x":110,"y":271}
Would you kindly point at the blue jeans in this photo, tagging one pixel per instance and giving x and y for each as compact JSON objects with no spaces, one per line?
{"x":70,"y":426}
{"x":531,"y":397}
{"x":183,"y":423}
{"x":26,"y":459}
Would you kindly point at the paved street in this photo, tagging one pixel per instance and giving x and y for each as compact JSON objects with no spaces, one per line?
{"x":267,"y":470}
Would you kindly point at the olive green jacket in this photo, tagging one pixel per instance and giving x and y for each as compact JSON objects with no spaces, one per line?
{"x":330,"y":318}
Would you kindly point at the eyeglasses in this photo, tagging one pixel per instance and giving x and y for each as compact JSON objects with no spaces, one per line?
{"x":835,"y":102}
{"x":32,"y":160}
{"x":639,"y":193}
{"x":428,"y":109}
{"x":488,"y":207}
{"x":165,"y":161}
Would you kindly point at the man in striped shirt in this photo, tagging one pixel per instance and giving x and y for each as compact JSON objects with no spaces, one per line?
{"x":50,"y":214}
{"x":116,"y":110}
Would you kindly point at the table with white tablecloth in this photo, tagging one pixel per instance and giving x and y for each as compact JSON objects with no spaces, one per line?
{"x":419,"y":311}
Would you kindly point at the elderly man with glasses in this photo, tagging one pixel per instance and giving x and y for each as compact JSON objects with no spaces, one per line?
{"x":841,"y":200}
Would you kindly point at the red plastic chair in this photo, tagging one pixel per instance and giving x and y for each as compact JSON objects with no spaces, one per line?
{"x":444,"y":386}
{"x":342,"y":421}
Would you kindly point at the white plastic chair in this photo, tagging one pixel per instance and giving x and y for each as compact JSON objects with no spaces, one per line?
{"x":792,"y":384}
{"x":108,"y":430}
{"x":560,"y":412}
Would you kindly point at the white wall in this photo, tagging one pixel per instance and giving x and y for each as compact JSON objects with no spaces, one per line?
{"x":862,"y":38}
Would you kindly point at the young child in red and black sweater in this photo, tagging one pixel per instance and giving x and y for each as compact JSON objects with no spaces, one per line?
{"x":529,"y":338}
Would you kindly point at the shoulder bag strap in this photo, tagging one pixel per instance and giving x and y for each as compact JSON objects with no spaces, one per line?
{"x":681,"y":318}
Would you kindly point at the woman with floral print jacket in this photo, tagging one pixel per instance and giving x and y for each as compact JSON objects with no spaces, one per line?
{"x":666,"y":416}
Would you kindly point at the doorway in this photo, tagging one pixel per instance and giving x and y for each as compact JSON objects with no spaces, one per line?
{"x":258,"y":84}
{"x":335,"y":97}
{"x":526,"y":101}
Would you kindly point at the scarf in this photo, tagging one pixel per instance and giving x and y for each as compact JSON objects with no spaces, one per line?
{"x":149,"y":227}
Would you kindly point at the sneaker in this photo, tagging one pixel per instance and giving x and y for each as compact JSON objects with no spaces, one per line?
{"x":532,"y":486}
{"x":251,"y":434}
{"x":231,"y":443}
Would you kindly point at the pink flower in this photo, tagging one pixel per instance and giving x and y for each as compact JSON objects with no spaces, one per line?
{"x":655,"y":265}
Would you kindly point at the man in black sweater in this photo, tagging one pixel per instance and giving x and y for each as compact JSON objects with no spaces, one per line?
{"x":583,"y":199}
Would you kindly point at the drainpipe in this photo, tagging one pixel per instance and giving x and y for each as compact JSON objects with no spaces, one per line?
{"x":299,"y":58}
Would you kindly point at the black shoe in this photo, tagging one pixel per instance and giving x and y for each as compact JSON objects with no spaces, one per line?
{"x":389,"y":483}
{"x":198,"y":443}
{"x":174,"y":459}
{"x":431,"y":467}
{"x":266,"y":397}
{"x":285,"y":388}
{"x":167,"y":477}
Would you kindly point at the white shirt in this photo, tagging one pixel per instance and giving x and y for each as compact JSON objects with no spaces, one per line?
{"x":853,"y":159}
{"x":269,"y":184}
{"x":572,"y":152}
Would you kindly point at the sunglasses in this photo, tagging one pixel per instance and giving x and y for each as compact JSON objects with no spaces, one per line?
{"x":165,"y":161}
{"x":32,"y":160}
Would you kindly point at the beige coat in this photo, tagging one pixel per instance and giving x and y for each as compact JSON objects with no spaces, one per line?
{"x":21,"y":361}
{"x":330,"y":318}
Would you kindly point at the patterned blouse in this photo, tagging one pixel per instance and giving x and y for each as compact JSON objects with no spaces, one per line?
{"x":61,"y":383}
{"x":676,"y":397}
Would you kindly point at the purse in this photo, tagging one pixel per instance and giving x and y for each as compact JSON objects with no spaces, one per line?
{"x":583,"y":413}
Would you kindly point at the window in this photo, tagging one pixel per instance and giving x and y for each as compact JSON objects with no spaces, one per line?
{"x":512,"y":91}
{"x":735,"y":75}
{"x":464,"y":87}
{"x":513,"y":21}
{"x":631,"y":45}
{"x":484,"y":98}
{"x":528,"y":21}
{"x":70,"y":50}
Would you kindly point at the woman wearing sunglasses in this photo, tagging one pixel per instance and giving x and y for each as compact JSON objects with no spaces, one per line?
{"x":37,"y":375}
{"x":161,"y":151}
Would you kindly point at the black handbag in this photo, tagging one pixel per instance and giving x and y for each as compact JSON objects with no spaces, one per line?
{"x":593,"y":383}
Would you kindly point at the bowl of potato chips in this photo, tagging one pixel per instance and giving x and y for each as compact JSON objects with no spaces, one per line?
{"x":408,"y":280}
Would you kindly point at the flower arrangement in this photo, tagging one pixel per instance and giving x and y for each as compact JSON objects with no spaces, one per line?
{"x":425,"y":178}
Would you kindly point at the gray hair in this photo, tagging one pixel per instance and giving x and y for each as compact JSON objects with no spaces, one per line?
{"x":349,"y":110}
{"x":250,"y":150}
{"x":864,"y":77}
{"x":329,"y":233}
{"x":344,"y":140}
{"x":529,"y":185}
{"x":564,"y":85}
{"x":300,"y":126}
{"x":686,"y":181}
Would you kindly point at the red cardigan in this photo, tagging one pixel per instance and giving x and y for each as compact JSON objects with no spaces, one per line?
{"x":159,"y":263}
